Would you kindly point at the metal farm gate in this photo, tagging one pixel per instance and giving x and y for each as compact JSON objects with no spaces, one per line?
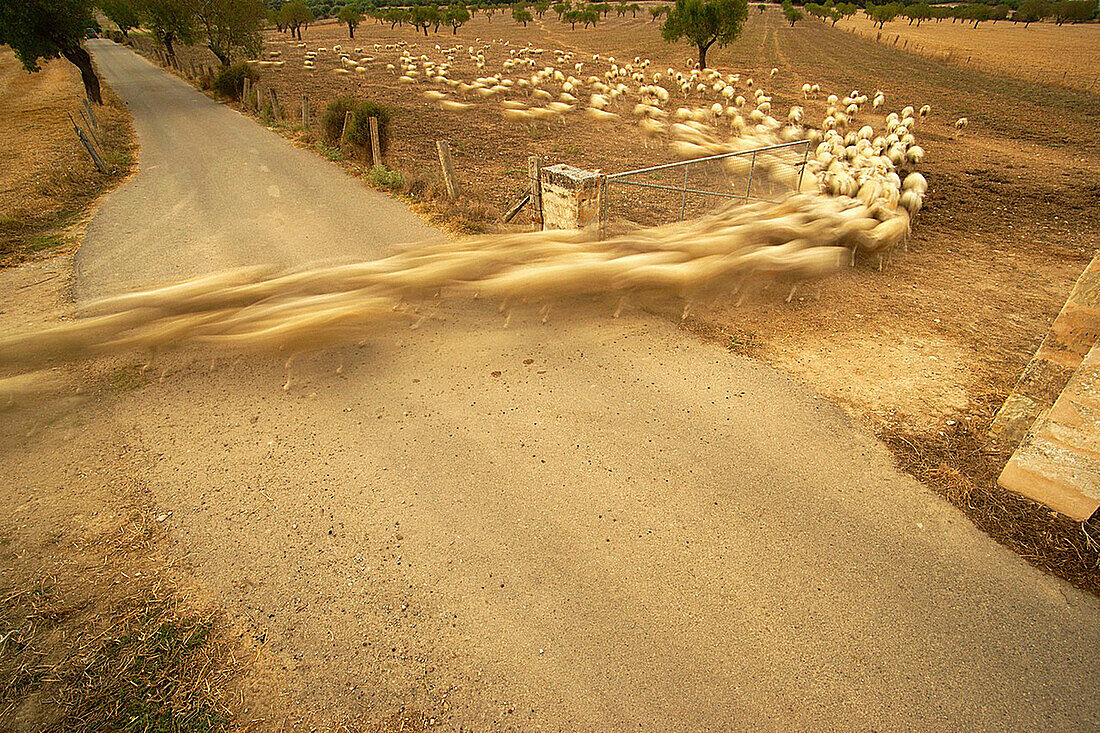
{"x":653,"y":195}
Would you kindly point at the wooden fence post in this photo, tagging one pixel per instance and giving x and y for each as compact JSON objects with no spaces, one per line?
{"x":448,"y":168}
{"x":275,"y":111}
{"x":305,"y":112}
{"x":91,"y":113}
{"x":246,"y":91}
{"x":344,"y":130}
{"x":88,"y":146}
{"x":91,"y":127}
{"x":534,"y":181}
{"x":259,"y":97}
{"x":375,"y":142}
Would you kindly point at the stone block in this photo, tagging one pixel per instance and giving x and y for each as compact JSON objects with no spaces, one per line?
{"x":570,"y":197}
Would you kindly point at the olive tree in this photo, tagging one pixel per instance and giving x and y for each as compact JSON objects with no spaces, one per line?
{"x":41,"y":30}
{"x":705,"y":23}
{"x":230,"y":26}
{"x":126,"y":14}
{"x":295,"y":15}
{"x":456,"y":16}
{"x":170,"y":21}
{"x":350,"y":16}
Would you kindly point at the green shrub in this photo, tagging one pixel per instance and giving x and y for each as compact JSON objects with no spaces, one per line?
{"x":332,"y":121}
{"x":230,"y":81}
{"x":384,"y":178}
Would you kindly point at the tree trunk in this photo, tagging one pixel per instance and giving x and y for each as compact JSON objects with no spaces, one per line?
{"x":351,"y":32}
{"x":80,"y":58}
{"x":223,"y":58}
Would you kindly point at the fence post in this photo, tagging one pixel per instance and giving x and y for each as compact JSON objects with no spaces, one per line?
{"x":246,"y":92}
{"x":448,"y":168}
{"x":305,"y":112}
{"x":344,"y":131}
{"x":375,"y":142}
{"x":91,"y":113}
{"x":684,"y":194}
{"x":534,"y":181}
{"x":91,"y":128}
{"x":275,"y":111}
{"x":259,"y":97}
{"x":88,"y":146}
{"x":603,"y":191}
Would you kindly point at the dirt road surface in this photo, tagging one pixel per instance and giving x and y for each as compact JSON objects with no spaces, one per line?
{"x":593,"y":523}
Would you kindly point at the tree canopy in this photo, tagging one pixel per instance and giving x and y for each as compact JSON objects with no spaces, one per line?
{"x":350,"y":16}
{"x":230,"y":26}
{"x":41,"y":30}
{"x":705,"y":22}
{"x":295,"y":15}
{"x":126,"y":14}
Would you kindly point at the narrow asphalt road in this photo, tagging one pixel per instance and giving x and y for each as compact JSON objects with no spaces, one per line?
{"x":216,"y":190}
{"x":596,"y":523}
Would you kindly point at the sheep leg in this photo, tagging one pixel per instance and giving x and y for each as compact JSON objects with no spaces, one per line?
{"x":619,"y":307}
{"x":790,"y":295}
{"x":687,"y":310}
{"x":286,"y":367}
{"x":508,"y":318}
{"x":852,"y":263}
{"x":545,"y":313}
{"x":152,"y":355}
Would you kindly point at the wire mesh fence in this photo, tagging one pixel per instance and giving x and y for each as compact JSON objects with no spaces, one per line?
{"x":686,"y":189}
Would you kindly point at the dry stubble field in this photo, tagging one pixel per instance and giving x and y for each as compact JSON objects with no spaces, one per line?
{"x":1042,"y":52}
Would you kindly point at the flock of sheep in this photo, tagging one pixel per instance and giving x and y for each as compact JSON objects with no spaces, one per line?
{"x":698,"y":112}
{"x":254,"y":309}
{"x":861,"y":195}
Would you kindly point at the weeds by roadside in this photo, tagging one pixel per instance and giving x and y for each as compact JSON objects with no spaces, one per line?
{"x":956,"y":463}
{"x":92,"y":638}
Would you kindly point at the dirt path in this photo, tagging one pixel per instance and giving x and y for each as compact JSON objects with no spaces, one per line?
{"x":593,"y":523}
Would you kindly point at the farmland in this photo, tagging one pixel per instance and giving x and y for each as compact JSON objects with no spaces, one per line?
{"x":481,"y":512}
{"x":1041,"y":52}
{"x":1006,"y":229}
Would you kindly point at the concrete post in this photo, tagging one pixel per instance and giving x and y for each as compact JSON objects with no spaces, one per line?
{"x":570,"y":197}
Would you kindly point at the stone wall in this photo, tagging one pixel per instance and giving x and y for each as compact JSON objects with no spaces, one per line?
{"x":1073,"y":334}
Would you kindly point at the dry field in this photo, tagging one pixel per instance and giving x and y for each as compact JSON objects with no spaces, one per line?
{"x":47,"y":179}
{"x":1042,"y":52}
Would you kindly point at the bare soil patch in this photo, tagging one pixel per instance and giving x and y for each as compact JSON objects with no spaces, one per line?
{"x":48,"y":179}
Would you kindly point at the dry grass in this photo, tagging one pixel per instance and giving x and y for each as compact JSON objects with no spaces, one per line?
{"x":48,"y":180}
{"x":957,"y":464}
{"x":92,"y":638}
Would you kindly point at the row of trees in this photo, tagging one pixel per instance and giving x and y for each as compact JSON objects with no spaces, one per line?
{"x":832,"y":12}
{"x":432,"y":16}
{"x":1028,"y":11}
